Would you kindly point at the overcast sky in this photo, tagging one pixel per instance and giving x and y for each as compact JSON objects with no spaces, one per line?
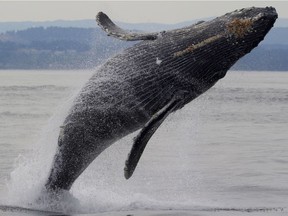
{"x":127,"y":11}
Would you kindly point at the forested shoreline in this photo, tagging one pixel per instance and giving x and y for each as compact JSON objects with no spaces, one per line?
{"x":84,"y":48}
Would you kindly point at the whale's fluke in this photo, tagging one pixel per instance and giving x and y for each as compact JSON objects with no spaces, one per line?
{"x":108,"y":26}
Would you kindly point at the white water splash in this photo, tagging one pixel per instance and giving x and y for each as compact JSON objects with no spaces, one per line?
{"x":27,"y":180}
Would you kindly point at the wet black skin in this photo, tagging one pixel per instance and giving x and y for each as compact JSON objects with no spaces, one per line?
{"x":126,"y":91}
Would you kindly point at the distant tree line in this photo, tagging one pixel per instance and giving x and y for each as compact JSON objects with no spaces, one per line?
{"x":83,"y":48}
{"x":59,"y":45}
{"x":56,"y":48}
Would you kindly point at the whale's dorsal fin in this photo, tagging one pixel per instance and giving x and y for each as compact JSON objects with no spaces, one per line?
{"x":146,"y":133}
{"x":108,"y":26}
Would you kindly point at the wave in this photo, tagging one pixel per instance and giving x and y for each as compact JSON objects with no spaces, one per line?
{"x":244,"y":95}
{"x":33,"y":88}
{"x":23,"y":115}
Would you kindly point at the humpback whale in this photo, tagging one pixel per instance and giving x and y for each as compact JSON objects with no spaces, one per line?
{"x":141,"y":86}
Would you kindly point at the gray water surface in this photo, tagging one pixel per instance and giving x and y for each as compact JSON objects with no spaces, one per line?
{"x":227,"y":149}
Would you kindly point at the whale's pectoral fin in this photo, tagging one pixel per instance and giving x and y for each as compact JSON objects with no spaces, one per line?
{"x":146,"y":133}
{"x":108,"y":26}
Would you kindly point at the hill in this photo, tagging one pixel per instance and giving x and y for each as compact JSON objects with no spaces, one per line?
{"x":56,"y":48}
{"x":83,"y":48}
{"x":90,"y":23}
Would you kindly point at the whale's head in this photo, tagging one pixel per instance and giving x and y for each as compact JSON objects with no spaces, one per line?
{"x":212,"y":47}
{"x":250,"y":23}
{"x":244,"y":29}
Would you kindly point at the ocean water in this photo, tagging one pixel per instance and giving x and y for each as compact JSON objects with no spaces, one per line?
{"x":225,"y":153}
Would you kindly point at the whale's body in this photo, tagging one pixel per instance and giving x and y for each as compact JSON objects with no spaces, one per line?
{"x":141,"y":86}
